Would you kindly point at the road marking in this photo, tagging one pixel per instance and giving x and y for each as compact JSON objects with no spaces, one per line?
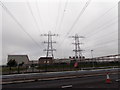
{"x":117,"y":80}
{"x":17,"y":82}
{"x":66,"y":86}
{"x":62,"y":77}
{"x":53,"y":72}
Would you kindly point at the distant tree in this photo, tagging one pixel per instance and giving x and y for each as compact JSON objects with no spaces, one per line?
{"x":21,"y":64}
{"x":83,"y":57}
{"x":69,"y":57}
{"x":12,"y":63}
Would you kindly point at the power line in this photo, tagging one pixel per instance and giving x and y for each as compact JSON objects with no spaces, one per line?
{"x":104,"y":24}
{"x":102,"y":44}
{"x":94,"y":21}
{"x":108,"y":26}
{"x":76,"y":20}
{"x":101,"y":29}
{"x":39,"y":14}
{"x":22,"y":28}
{"x":101,"y":49}
{"x":98,"y":45}
{"x":33,"y":16}
{"x":63,"y":15}
{"x":78,"y":17}
{"x":58,"y":15}
{"x":106,"y":35}
{"x":64,"y":10}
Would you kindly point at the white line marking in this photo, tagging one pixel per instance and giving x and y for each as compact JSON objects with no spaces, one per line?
{"x":117,"y":80}
{"x":54,"y":78}
{"x":54,"y":72}
{"x":66,"y":86}
{"x":17,"y":81}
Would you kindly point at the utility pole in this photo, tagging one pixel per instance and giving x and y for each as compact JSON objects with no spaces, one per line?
{"x":92,"y":57}
{"x":49,"y":44}
{"x":77,"y":50}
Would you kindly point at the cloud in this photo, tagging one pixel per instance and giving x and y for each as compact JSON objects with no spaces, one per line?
{"x":97,"y":30}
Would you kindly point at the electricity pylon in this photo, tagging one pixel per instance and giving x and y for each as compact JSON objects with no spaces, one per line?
{"x":77,"y":50}
{"x":49,"y":44}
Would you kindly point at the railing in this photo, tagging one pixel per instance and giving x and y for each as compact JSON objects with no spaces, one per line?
{"x":59,"y":67}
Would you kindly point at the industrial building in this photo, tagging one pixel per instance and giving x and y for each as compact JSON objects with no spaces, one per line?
{"x":35,"y":62}
{"x":46,"y":60}
{"x":19,"y":58}
{"x":64,"y":60}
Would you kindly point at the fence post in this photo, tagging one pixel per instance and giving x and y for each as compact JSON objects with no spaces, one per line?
{"x":18,"y":69}
{"x":10,"y":70}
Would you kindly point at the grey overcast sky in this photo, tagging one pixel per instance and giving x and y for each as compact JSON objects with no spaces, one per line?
{"x":98,"y":23}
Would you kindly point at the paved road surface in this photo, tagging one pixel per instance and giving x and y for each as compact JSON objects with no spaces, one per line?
{"x":83,"y":82}
{"x":15,"y":77}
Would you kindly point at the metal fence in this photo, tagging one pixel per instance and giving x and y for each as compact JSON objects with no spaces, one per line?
{"x":57,"y":67}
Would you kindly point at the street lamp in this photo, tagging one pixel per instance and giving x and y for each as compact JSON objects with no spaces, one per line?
{"x":92,"y":57}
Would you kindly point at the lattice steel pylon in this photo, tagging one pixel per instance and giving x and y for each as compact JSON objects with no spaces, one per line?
{"x":49,"y":44}
{"x":77,"y":50}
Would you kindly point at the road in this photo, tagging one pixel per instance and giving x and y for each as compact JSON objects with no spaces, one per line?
{"x":97,"y":81}
{"x":15,"y":77}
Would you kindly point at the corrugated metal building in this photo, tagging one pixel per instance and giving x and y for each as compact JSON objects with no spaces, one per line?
{"x":19,"y":58}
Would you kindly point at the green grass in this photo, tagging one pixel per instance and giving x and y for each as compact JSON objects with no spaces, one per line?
{"x":58,"y":67}
{"x":13,"y":69}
